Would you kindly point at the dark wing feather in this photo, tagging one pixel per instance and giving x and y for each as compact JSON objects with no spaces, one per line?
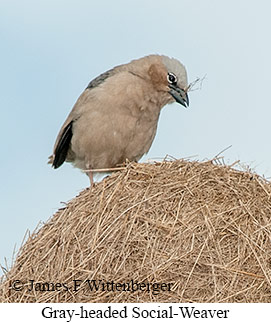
{"x":63,"y":145}
{"x":101,"y":78}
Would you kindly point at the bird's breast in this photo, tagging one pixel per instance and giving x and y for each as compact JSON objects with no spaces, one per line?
{"x":115,"y":126}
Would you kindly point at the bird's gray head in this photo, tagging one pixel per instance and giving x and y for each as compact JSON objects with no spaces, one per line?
{"x":167,"y":75}
{"x":177,"y":80}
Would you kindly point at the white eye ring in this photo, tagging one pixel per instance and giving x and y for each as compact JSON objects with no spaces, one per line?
{"x":172,"y":78}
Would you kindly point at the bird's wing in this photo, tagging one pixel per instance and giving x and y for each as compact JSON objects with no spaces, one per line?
{"x":62,"y":146}
{"x":63,"y":140}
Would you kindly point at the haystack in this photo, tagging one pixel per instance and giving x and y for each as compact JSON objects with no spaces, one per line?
{"x":187,"y":231}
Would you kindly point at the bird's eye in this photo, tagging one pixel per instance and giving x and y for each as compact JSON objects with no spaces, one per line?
{"x":172,"y":78}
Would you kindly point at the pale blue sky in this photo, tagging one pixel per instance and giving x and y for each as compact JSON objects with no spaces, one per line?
{"x":51,"y":49}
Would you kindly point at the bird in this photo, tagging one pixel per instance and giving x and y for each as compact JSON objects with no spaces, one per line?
{"x":115,"y":118}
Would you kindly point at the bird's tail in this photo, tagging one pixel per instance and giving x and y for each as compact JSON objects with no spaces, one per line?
{"x":50,"y":159}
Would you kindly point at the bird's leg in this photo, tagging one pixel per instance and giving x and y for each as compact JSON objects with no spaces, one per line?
{"x":89,"y":173}
{"x":90,"y":176}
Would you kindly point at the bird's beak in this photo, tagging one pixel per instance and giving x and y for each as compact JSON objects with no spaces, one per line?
{"x":179,"y":95}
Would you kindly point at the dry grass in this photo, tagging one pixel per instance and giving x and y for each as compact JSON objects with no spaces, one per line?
{"x":201,"y":226}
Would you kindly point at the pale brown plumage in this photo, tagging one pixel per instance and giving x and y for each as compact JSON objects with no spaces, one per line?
{"x":116,"y":116}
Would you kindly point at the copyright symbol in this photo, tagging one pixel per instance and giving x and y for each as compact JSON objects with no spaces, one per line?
{"x":17,"y":285}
